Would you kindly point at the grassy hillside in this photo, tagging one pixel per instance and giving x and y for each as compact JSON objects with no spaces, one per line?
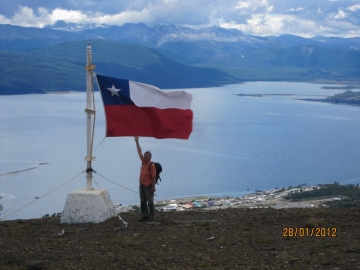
{"x":351,"y":192}
{"x":61,"y":68}
{"x":295,"y":63}
{"x":25,"y":73}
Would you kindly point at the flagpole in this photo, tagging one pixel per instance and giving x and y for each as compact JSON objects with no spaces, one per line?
{"x":89,"y":112}
{"x":88,"y":205}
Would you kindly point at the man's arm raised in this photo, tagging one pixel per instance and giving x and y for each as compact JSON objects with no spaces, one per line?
{"x":136,"y":138}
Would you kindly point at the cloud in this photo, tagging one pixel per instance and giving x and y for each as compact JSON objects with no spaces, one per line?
{"x":254,"y":5}
{"x":26,"y":17}
{"x":242,"y":5}
{"x":151,"y":13}
{"x":340,"y":15}
{"x":342,"y":28}
{"x":266,"y":24}
{"x":4,"y":20}
{"x":308,"y":25}
{"x":296,"y":9}
{"x":354,"y":8}
{"x":256,"y":17}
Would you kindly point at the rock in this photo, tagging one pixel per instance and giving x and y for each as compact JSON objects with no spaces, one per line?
{"x":35,"y":265}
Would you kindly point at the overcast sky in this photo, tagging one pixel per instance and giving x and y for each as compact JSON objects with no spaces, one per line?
{"x":306,"y":18}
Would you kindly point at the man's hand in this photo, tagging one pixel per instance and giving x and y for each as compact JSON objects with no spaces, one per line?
{"x":152,"y":189}
{"x":136,"y":138}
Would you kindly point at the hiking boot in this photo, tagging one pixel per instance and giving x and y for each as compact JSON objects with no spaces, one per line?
{"x":144,"y":218}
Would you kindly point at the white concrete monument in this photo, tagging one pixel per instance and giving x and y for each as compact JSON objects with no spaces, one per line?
{"x":88,"y":205}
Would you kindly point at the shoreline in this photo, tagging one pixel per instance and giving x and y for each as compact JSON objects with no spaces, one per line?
{"x":16,"y":172}
{"x":345,"y":85}
{"x":273,"y":198}
{"x":23,"y":170}
{"x":347,"y":97}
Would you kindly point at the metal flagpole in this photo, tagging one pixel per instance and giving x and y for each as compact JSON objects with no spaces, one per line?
{"x":89,"y":112}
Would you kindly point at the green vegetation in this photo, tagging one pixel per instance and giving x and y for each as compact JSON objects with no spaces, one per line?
{"x":350,"y":195}
{"x":61,"y":68}
{"x":348,"y":97}
{"x":291,"y":64}
{"x":336,"y":87}
{"x":347,"y":94}
{"x":25,"y":73}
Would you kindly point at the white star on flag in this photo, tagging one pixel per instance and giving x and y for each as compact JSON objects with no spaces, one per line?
{"x":114,"y":90}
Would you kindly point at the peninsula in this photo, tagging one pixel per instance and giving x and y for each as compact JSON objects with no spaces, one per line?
{"x":347,"y":97}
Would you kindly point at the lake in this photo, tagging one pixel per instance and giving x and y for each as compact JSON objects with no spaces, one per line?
{"x":238,"y":144}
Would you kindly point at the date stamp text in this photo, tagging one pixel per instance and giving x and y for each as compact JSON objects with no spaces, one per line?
{"x":309,"y":232}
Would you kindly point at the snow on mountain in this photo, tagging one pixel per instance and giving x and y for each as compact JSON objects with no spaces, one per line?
{"x":215,"y":34}
{"x":170,"y":33}
{"x":158,"y":35}
{"x":73,"y":27}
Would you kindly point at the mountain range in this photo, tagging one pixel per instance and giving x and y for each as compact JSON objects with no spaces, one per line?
{"x":167,"y":56}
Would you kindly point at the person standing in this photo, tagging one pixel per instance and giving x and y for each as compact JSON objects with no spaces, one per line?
{"x":147,"y":181}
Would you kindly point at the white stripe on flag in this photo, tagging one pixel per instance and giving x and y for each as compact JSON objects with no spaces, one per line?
{"x":145,"y":95}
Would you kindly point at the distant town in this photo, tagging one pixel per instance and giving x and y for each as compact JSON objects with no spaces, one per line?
{"x":302,"y":196}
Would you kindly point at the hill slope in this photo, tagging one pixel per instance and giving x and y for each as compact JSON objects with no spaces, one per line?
{"x":302,"y":63}
{"x":61,"y":68}
{"x":219,"y":239}
{"x":177,"y":57}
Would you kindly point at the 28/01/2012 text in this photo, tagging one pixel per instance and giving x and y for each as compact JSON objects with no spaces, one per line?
{"x":309,"y":232}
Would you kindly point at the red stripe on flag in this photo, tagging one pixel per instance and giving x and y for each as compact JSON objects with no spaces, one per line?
{"x":130,"y":120}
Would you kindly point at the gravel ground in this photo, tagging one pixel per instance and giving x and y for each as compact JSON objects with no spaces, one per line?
{"x":219,"y":239}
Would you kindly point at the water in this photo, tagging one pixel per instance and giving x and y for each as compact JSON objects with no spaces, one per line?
{"x":238,"y":144}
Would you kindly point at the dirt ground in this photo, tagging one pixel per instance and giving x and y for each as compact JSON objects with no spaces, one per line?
{"x":218,"y":239}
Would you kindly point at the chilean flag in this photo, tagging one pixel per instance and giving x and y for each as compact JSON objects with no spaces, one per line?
{"x":133,"y":108}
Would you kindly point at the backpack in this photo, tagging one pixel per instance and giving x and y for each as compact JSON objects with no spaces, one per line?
{"x":158,"y":168}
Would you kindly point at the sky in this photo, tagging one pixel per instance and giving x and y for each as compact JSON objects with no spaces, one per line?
{"x":305,"y":18}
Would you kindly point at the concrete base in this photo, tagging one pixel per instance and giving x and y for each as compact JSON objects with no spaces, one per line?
{"x":87,"y":206}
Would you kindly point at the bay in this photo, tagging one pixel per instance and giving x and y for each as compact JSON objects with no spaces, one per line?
{"x":238,"y":144}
